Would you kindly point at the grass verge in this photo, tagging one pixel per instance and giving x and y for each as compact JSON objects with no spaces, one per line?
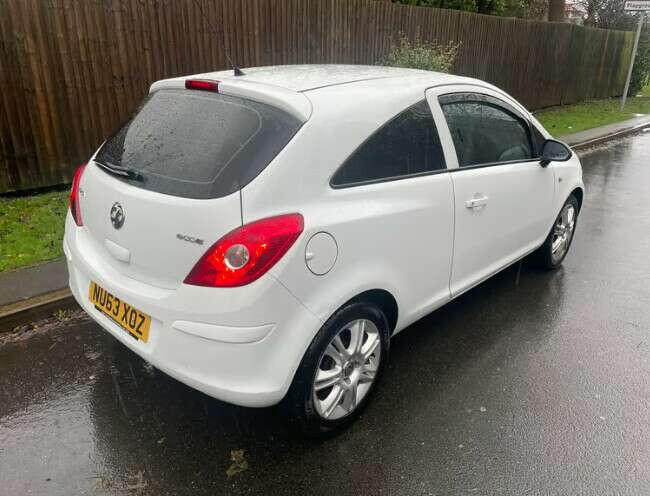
{"x":581,"y":116}
{"x":31,"y":228}
{"x":645,"y":91}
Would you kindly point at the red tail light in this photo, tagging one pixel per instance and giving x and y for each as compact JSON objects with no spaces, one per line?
{"x":247,"y":253}
{"x":202,"y":84}
{"x":75,"y":208}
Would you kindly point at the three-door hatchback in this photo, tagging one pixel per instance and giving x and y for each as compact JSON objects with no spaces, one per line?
{"x":261,"y":237}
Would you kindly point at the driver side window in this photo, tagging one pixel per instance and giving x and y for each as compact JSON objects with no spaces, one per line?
{"x":484,"y":131}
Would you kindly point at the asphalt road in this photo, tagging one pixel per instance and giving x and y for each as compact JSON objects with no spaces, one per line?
{"x":537,"y":384}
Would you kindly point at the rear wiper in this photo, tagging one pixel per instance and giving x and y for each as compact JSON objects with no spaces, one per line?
{"x":120,"y":170}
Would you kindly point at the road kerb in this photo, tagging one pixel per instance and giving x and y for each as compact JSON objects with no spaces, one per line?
{"x":601,"y":139}
{"x":39,"y":307}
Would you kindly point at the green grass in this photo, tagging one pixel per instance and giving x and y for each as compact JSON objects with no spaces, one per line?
{"x":574,"y":118}
{"x":31,"y":228}
{"x":645,"y":91}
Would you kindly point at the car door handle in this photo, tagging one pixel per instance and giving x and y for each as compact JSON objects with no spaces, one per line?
{"x":476,"y":202}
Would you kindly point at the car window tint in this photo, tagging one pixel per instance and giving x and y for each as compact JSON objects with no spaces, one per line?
{"x":197,"y":144}
{"x":539,"y":140}
{"x":406,"y":145}
{"x":485,"y":132}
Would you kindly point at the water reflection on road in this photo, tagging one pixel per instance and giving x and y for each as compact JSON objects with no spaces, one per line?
{"x":540,"y":387}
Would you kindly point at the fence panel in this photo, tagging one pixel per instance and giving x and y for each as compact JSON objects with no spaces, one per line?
{"x":71,"y":70}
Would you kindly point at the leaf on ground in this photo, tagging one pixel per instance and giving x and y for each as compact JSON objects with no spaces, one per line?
{"x":239,"y":463}
{"x":138,"y":482}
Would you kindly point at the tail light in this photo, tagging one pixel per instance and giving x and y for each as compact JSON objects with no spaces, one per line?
{"x":247,"y":253}
{"x":75,"y":208}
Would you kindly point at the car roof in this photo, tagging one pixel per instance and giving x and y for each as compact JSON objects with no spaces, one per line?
{"x":303,"y":78}
{"x":287,"y":86}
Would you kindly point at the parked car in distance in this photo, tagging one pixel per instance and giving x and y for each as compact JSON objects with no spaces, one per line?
{"x":261,"y":237}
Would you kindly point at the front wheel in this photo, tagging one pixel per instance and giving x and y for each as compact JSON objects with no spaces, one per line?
{"x":340,"y":369}
{"x":557,"y":244}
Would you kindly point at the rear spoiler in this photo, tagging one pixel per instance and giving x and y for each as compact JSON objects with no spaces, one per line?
{"x":290,"y":101}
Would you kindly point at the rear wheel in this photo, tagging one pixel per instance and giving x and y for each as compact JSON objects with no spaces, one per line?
{"x":340,"y":369}
{"x":557,"y":244}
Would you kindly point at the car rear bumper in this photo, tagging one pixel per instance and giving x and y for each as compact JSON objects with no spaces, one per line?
{"x":239,"y":345}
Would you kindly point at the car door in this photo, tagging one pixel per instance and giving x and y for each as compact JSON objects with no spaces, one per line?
{"x":398,"y":176}
{"x":502,"y":195}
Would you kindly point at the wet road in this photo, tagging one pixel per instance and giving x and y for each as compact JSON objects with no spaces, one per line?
{"x":540,"y":387}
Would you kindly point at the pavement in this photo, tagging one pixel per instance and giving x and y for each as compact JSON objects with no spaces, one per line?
{"x":22,"y":284}
{"x":534,"y":383}
{"x":33,"y":293}
{"x":597,"y":135}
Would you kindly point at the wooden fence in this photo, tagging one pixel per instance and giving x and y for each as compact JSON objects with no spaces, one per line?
{"x":71,"y":70}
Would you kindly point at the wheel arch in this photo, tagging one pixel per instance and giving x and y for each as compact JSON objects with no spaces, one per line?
{"x":579,"y":194}
{"x":384,"y":300}
{"x":577,"y":190}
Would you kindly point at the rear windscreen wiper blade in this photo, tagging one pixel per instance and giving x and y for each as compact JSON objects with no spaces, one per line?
{"x":120,"y":170}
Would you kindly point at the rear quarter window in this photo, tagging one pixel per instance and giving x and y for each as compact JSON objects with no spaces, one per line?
{"x":405,"y":146}
{"x":198,"y":144}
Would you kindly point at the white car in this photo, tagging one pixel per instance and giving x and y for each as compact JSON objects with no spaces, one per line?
{"x":261,"y":237}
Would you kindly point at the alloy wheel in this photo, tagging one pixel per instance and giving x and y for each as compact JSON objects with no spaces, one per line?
{"x":347,"y":369}
{"x":563,"y":232}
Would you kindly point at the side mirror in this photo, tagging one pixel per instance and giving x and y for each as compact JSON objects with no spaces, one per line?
{"x":554,"y":151}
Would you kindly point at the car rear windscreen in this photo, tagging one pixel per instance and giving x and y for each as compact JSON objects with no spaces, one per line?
{"x":197,"y":144}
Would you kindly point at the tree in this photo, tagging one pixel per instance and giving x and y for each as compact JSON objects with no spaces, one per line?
{"x":526,"y":9}
{"x":493,"y":7}
{"x":556,"y":10}
{"x":489,"y":6}
{"x":641,"y":70}
{"x":608,"y":14}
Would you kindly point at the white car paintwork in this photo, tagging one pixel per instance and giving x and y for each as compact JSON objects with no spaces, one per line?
{"x":153,"y":220}
{"x":321,"y":253}
{"x":290,"y":101}
{"x":414,"y":238}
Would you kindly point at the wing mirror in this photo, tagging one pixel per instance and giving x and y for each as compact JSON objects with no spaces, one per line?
{"x":554,"y":151}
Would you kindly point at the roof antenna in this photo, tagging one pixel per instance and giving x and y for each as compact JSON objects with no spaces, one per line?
{"x":236,"y":70}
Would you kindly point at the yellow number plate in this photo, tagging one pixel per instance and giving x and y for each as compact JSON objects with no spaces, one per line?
{"x":129,"y":318}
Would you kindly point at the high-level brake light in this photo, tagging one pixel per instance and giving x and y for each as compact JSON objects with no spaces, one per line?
{"x":202,"y":85}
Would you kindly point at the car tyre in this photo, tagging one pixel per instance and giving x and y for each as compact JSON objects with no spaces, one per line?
{"x":556,"y":246}
{"x":340,"y":370}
